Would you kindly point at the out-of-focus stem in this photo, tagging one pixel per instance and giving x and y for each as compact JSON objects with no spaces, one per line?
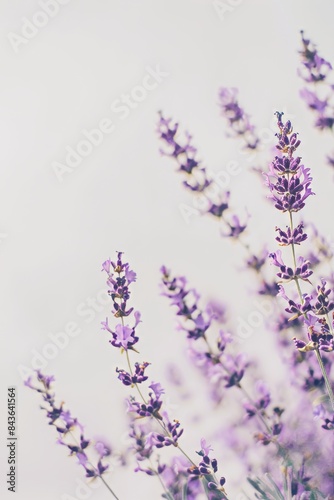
{"x":156,"y":473}
{"x":261,"y":417}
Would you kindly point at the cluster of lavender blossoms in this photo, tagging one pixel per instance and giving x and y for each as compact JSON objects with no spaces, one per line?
{"x":289,"y":182}
{"x":70,"y":431}
{"x":198,"y":179}
{"x":238,"y":120}
{"x":221,"y":368}
{"x":302,"y":460}
{"x":158,"y":431}
{"x":281,"y":444}
{"x":318,"y":94}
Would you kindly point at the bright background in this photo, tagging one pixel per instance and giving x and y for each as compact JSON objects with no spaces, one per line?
{"x":125,"y":196}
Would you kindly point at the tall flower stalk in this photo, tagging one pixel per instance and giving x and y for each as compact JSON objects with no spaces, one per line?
{"x":223,"y":369}
{"x":167,"y":432}
{"x":318,"y":93}
{"x":198,"y":179}
{"x":237,"y":119}
{"x":290,"y":185}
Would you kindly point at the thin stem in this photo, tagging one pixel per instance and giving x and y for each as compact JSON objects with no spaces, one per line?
{"x":330,"y":324}
{"x":161,"y":423}
{"x":324,"y":374}
{"x":156,"y":473}
{"x":98,"y":474}
{"x":108,"y":487}
{"x":243,"y":390}
{"x":157,"y":419}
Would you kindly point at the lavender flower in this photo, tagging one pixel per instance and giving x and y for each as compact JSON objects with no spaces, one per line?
{"x":124,"y":336}
{"x":315,"y":68}
{"x":207,"y":467}
{"x":301,"y":271}
{"x":68,"y":427}
{"x":236,"y":117}
{"x":136,"y":378}
{"x":318,"y":95}
{"x":179,"y":482}
{"x":290,"y":181}
{"x":163,"y":432}
{"x":221,"y":369}
{"x":198,"y":180}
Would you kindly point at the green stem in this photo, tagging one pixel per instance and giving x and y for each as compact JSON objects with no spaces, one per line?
{"x":157,"y":419}
{"x":317,"y":353}
{"x":108,"y":487}
{"x":156,"y":473}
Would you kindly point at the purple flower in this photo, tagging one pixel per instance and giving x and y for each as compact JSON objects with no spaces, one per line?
{"x":149,"y":409}
{"x":223,"y":340}
{"x":290,"y":188}
{"x":326,"y":418}
{"x":177,"y":479}
{"x":295,"y":236}
{"x":286,"y":273}
{"x":296,"y":308}
{"x":290,"y":193}
{"x":66,"y":425}
{"x":158,"y":440}
{"x":198,"y":180}
{"x":120,"y":276}
{"x":235,"y":227}
{"x":313,"y":101}
{"x":207,"y":468}
{"x":315,"y":67}
{"x":218,"y":209}
{"x":119,"y":282}
{"x":236,"y":117}
{"x":157,"y":389}
{"x":196,"y":321}
{"x":323,"y":304}
{"x":137,"y":378}
{"x":124,"y":336}
{"x":235,"y":369}
{"x":315,"y":70}
{"x":260,"y":403}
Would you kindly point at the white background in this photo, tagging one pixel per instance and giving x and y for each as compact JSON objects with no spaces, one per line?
{"x":125,"y":196}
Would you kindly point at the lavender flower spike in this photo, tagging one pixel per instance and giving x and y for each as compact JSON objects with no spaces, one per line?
{"x":161,"y":431}
{"x":70,"y":431}
{"x":120,"y":276}
{"x":236,"y":117}
{"x":318,"y":94}
{"x":198,"y":179}
{"x":290,"y":186}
